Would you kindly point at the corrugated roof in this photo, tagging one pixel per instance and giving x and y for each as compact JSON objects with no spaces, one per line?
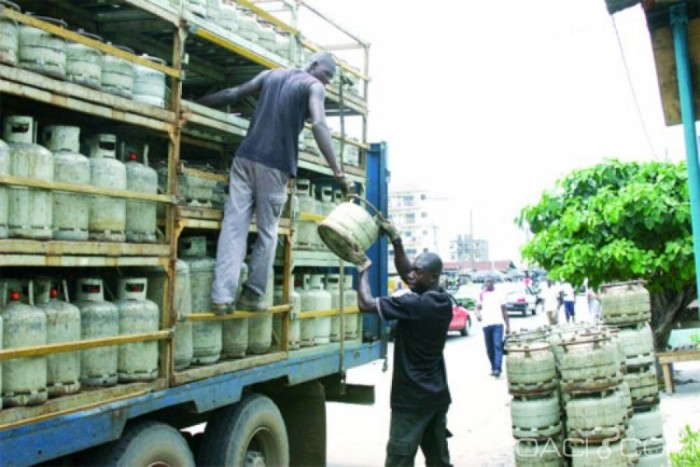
{"x":616,"y":5}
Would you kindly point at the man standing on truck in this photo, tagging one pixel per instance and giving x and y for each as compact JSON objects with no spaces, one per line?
{"x":420,"y":396}
{"x":264,"y":162}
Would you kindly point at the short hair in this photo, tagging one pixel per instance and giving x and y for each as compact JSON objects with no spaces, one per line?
{"x":324,"y":57}
{"x":430,"y":262}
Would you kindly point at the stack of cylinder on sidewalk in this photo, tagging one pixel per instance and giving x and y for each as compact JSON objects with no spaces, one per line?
{"x":626,"y":311}
{"x":581,"y":394}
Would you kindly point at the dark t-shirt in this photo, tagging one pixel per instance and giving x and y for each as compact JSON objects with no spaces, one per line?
{"x":420,"y":378}
{"x":282,"y":108}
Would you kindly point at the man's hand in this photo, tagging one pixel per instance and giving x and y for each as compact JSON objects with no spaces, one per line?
{"x":348,"y":186}
{"x":361,"y":268}
{"x":389,"y":229}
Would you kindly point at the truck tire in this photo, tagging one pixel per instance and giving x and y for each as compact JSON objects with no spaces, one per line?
{"x":146,"y":443}
{"x":251,"y":432}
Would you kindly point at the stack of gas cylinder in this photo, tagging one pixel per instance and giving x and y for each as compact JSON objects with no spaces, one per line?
{"x":35,"y":213}
{"x":40,"y":51}
{"x":38,"y":312}
{"x":245,"y":23}
{"x":626,"y":311}
{"x":587,"y":394}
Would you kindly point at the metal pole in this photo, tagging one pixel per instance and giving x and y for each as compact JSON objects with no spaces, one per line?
{"x":679,"y":21}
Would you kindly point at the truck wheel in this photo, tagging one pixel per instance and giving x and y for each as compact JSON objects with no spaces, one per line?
{"x":251,"y":432}
{"x":146,"y":443}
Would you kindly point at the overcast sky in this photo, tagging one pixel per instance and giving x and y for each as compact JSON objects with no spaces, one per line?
{"x":486,"y":103}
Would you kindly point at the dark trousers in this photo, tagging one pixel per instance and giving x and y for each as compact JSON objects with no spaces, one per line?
{"x":493,"y":335}
{"x":410,"y":429}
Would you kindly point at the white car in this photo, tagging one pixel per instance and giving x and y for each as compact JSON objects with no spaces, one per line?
{"x":523,"y":299}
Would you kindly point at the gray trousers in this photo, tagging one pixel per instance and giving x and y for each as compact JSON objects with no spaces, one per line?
{"x":253,"y":189}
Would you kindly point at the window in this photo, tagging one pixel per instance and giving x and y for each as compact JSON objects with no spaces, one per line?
{"x":424,"y":215}
{"x":411,"y":218}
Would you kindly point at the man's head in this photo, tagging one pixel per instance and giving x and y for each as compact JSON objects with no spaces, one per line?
{"x":488,"y":284}
{"x":425,"y":272}
{"x":322,"y":67}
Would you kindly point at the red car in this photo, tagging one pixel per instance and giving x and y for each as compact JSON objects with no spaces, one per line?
{"x":461,"y":321}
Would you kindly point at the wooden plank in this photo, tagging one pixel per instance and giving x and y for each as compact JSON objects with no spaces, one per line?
{"x":66,"y":88}
{"x":227,"y":366}
{"x":75,"y":37}
{"x":87,"y":189}
{"x":79,"y":261}
{"x":678,"y":356}
{"x":665,"y":58}
{"x":668,"y":377}
{"x":86,"y":399}
{"x":81,"y":106}
{"x":49,"y":349}
{"x":60,"y":248}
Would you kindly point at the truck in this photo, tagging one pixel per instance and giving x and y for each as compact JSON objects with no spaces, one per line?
{"x":64,"y":64}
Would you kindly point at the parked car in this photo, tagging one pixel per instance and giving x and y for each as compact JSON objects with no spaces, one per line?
{"x":523,"y":299}
{"x":467,"y":295}
{"x":461,"y":320}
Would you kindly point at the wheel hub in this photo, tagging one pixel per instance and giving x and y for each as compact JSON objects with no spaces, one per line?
{"x":255,"y":459}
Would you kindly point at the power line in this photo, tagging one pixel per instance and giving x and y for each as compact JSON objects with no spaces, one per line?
{"x":631,"y":86}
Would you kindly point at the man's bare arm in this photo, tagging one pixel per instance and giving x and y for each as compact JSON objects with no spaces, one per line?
{"x":365,"y":301}
{"x":232,"y":95}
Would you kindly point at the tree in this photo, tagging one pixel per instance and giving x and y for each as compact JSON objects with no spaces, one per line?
{"x":619,"y":221}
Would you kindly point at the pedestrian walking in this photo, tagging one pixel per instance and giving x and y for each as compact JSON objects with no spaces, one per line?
{"x":264,"y":162}
{"x":420,"y":396}
{"x":552,"y":302}
{"x":569,"y":299}
{"x":491,"y":311}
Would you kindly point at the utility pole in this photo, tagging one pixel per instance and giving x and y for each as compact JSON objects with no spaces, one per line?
{"x":471,"y":237}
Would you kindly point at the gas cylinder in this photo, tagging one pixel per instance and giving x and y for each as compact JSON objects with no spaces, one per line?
{"x":235,"y":331}
{"x":107,"y":218}
{"x":308,"y":326}
{"x":197,"y":7}
{"x":597,"y":415}
{"x":98,"y":318}
{"x":84,"y":63}
{"x":306,"y":234}
{"x":248,"y":26}
{"x":118,"y":74}
{"x":352,"y":321}
{"x":149,"y":83}
{"x":625,"y":304}
{"x":30,"y":209}
{"x":228,"y":17}
{"x":278,"y":323}
{"x":260,"y":325}
{"x":206,"y":335}
{"x":62,"y":325}
{"x":326,"y":199}
{"x":4,"y":170}
{"x":41,"y":51}
{"x":535,"y":417}
{"x":637,"y":345}
{"x":530,"y":368}
{"x":70,"y":210}
{"x":319,"y":299}
{"x":9,"y":40}
{"x":333,"y":287}
{"x":24,"y":379}
{"x":137,"y":314}
{"x":283,"y":45}
{"x":182,"y":306}
{"x":140,"y":215}
{"x":266,"y":38}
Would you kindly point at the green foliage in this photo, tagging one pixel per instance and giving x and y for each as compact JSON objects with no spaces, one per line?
{"x":689,"y":454}
{"x":615,"y":221}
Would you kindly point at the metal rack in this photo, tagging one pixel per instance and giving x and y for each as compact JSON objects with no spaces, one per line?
{"x":201,"y":55}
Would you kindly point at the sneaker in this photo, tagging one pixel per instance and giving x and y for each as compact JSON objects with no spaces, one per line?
{"x":222,"y":308}
{"x":496,"y":374}
{"x":250,"y":301}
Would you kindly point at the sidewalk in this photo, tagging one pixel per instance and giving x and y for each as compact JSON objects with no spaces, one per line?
{"x":683,"y":406}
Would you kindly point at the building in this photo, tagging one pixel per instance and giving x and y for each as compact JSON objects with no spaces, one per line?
{"x":409,"y":211}
{"x":464,"y":248}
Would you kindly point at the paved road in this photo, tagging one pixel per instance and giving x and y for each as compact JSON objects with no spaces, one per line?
{"x":479,"y":416}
